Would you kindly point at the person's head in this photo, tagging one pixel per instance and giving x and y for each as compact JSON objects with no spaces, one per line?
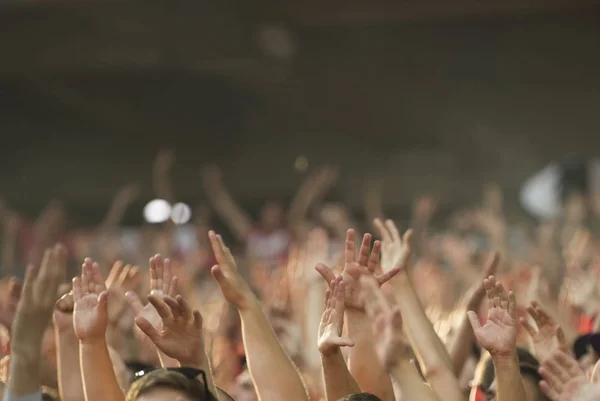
{"x":168,"y":385}
{"x":271,"y":216}
{"x":360,"y":397}
{"x":484,"y":382}
{"x":244,"y":388}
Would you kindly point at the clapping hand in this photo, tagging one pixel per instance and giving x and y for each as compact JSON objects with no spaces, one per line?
{"x":563,"y":378}
{"x":546,"y":336}
{"x":332,"y":320}
{"x":90,"y":317}
{"x":499,"y":333}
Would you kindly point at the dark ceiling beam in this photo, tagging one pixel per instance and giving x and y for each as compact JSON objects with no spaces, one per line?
{"x":345,"y":12}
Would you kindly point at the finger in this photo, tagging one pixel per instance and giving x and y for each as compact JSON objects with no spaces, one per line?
{"x":186,"y":311}
{"x":115,"y":272}
{"x":167,"y":276}
{"x":528,"y":327}
{"x":98,"y":280}
{"x":383,"y":231}
{"x":158,"y":262}
{"x":548,"y":373}
{"x":134,"y":301}
{"x":350,"y":254}
{"x":489,"y":291}
{"x":365,"y":248}
{"x":77,"y":292}
{"x":103,"y":304}
{"x":197,"y":320}
{"x":85,"y":282}
{"x":146,"y":327}
{"x":153,"y":275}
{"x":216,"y":247}
{"x":544,"y":317}
{"x":338,"y":306}
{"x":557,"y":369}
{"x":387,"y":276}
{"x":173,"y":287}
{"x":406,"y":250}
{"x":393,"y":229}
{"x":569,"y":363}
{"x":549,"y":391}
{"x":374,"y":257}
{"x":512,"y":305}
{"x":562,"y":339}
{"x":502,"y":295}
{"x":161,"y":307}
{"x":28,"y":284}
{"x":174,"y":306}
{"x":325,"y":272}
{"x":122,"y":276}
{"x":219,"y":277}
{"x":474,"y":320}
{"x":533,"y":313}
{"x":58,"y":268}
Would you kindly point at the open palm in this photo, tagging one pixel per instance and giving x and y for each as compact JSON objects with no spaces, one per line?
{"x":90,"y":315}
{"x":499,"y":333}
{"x":332,"y":320}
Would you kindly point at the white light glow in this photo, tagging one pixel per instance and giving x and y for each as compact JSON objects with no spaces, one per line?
{"x":157,"y":211}
{"x":181,"y":213}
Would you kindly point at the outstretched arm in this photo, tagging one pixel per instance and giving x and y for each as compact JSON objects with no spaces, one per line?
{"x":264,"y":353}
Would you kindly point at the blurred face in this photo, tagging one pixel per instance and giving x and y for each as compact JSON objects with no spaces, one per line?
{"x":163,"y":394}
{"x":271,"y":216}
{"x":244,"y":389}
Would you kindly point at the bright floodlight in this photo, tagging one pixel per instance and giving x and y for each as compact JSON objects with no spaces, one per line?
{"x":157,"y":211}
{"x":181,"y":213}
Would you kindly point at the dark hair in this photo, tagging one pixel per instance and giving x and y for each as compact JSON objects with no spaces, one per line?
{"x":574,"y":176}
{"x":360,"y":397}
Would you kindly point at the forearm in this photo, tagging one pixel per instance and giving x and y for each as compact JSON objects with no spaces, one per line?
{"x":24,"y":377}
{"x":265,"y":354}
{"x":508,"y":379}
{"x":70,"y":385}
{"x":338,"y":380}
{"x":433,"y":357}
{"x":98,"y":376}
{"x":460,"y":347}
{"x":411,"y":384}
{"x":368,"y":371}
{"x":313,"y":312}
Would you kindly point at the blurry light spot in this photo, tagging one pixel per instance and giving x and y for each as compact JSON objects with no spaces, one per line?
{"x":157,"y":211}
{"x":181,"y":213}
{"x":301,"y":164}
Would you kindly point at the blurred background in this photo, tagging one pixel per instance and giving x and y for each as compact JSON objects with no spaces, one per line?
{"x":437,"y":97}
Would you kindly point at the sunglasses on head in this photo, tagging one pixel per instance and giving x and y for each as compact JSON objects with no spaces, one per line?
{"x":188,"y":373}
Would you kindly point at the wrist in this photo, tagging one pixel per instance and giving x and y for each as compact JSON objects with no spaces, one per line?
{"x":93,"y":342}
{"x":503,"y":360}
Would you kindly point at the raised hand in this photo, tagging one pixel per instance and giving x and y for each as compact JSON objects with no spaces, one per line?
{"x":392,"y":248}
{"x":63,"y":313}
{"x":475,"y":295}
{"x":234,"y":288}
{"x":546,"y":336}
{"x":332,"y":320}
{"x":563,"y":378}
{"x":367,"y":263}
{"x":179,"y":333}
{"x":162,"y":284}
{"x":121,"y":279}
{"x":90,"y":316}
{"x":40,"y":292}
{"x":499,"y":333}
{"x":390,"y":343}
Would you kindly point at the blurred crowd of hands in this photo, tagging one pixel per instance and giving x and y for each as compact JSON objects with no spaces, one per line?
{"x":394,"y":324}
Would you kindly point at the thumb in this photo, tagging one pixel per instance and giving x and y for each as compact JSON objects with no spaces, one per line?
{"x":474,"y":320}
{"x":219,"y":276}
{"x":344,"y":342}
{"x":146,"y":327}
{"x":103,"y":302}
